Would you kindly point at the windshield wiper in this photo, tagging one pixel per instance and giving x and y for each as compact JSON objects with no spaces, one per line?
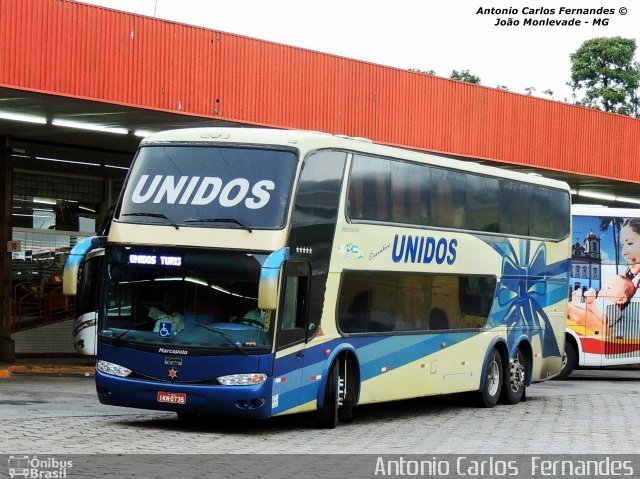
{"x":218,"y":220}
{"x":153,"y":215}
{"x":224,"y":335}
{"x":116,"y":340}
{"x":137,"y":325}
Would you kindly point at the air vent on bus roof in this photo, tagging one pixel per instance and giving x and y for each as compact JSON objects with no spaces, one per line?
{"x":356,"y":138}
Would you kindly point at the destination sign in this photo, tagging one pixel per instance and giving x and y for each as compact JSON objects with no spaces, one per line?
{"x":155,"y":260}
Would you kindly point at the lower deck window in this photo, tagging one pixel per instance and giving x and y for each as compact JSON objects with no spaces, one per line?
{"x":389,"y":301}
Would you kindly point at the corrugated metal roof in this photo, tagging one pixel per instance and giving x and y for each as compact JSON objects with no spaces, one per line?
{"x":81,"y":51}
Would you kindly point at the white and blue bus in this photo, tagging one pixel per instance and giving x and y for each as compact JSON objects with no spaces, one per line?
{"x":255,"y":273}
{"x":82,"y":279}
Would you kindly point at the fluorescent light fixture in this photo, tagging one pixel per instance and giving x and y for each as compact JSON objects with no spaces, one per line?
{"x":89,"y":126}
{"x":5,"y":115}
{"x":226,"y":291}
{"x":608,"y":197}
{"x":143,"y":133}
{"x":628,"y":200}
{"x":117,"y":167}
{"x":596,"y":195}
{"x":189,"y":279}
{"x":44,"y":201}
{"x":86,"y":163}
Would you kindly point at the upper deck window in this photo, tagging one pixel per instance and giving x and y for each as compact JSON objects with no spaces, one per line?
{"x":209,"y":186}
{"x":396,"y":191}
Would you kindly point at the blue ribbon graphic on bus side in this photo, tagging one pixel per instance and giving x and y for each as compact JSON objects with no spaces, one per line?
{"x":523,"y":293}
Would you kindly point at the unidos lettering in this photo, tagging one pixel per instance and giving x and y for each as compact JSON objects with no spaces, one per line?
{"x":423,"y":249}
{"x":198,"y":191}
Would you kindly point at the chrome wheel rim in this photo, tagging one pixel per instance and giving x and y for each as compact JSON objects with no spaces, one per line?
{"x":493,"y":378}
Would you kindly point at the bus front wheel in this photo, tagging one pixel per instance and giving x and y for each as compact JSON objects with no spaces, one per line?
{"x":327,"y":415}
{"x":569,"y":360}
{"x":490,"y":392}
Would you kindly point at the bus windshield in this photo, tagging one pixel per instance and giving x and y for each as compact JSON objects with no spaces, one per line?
{"x":190,"y":298}
{"x":209,"y":186}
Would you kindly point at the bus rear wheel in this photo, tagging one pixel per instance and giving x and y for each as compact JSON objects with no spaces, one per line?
{"x":515,"y":381}
{"x":490,"y":392}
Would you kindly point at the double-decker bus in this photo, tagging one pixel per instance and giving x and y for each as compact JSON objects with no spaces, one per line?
{"x":604,"y":311}
{"x":254,"y":273}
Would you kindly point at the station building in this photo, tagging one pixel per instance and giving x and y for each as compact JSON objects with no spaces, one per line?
{"x":81,"y":85}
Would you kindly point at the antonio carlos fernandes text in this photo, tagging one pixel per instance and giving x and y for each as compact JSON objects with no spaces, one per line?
{"x":492,"y":467}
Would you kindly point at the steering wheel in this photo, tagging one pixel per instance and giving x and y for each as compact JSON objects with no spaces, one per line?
{"x":253,"y":322}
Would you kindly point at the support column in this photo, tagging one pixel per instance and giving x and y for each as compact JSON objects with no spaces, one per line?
{"x":7,"y":345}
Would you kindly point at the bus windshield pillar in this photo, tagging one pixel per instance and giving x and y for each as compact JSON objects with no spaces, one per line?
{"x":269,"y":279}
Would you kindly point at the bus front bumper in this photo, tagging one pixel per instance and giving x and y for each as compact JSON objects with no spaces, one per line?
{"x":236,"y":401}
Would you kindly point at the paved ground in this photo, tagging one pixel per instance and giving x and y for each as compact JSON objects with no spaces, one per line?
{"x":594,"y":411}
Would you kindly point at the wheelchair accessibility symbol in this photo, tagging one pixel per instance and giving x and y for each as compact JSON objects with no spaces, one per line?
{"x":165,"y":330}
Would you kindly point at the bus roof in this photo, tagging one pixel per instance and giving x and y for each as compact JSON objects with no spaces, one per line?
{"x":311,"y":140}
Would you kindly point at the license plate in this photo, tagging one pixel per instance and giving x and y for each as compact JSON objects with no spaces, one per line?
{"x":172,"y":398}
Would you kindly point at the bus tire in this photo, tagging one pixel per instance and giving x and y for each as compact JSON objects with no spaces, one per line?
{"x":569,"y":360}
{"x":490,"y":392}
{"x":346,"y":390}
{"x":327,"y":415}
{"x":515,"y":380}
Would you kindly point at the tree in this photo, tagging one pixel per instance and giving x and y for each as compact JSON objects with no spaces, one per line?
{"x":615,"y":224}
{"x":465,"y":76}
{"x":425,"y":72}
{"x":607,"y":72}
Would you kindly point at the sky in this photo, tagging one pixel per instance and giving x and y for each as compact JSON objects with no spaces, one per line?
{"x":582,"y":226}
{"x":438,"y":35}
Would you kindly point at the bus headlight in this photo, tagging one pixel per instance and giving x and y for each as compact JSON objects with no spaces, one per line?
{"x":113,"y":369}
{"x":242,"y":379}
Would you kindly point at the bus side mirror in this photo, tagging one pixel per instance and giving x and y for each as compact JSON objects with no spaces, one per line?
{"x":270,"y":279}
{"x":74,"y":260}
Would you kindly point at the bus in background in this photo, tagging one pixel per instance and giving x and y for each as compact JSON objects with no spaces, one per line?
{"x":82,"y":279}
{"x":255,"y":273}
{"x":604,"y":311}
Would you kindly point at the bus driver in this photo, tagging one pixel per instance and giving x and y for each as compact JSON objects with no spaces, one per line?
{"x":165,"y":312}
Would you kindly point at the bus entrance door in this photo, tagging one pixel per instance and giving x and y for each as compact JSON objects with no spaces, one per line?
{"x":291,"y":336}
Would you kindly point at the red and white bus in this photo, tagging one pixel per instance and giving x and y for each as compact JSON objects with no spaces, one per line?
{"x":603,"y":327}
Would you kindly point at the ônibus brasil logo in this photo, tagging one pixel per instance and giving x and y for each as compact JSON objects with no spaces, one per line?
{"x":35,"y":467}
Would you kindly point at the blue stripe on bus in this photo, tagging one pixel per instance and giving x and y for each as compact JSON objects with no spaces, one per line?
{"x":314,"y":354}
{"x":400,"y":351}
